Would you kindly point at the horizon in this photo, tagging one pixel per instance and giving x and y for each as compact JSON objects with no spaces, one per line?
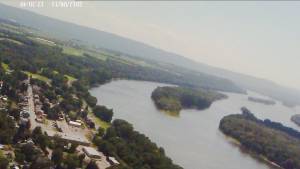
{"x":239,"y":51}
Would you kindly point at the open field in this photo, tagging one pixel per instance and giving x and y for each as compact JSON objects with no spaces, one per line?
{"x":72,"y":51}
{"x":12,"y":40}
{"x":5,"y":66}
{"x":42,"y":41}
{"x":39,"y":77}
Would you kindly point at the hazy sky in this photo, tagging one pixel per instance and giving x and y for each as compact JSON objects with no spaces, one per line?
{"x":256,"y":38}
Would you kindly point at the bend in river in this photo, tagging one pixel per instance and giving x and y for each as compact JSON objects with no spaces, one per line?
{"x":192,"y":140}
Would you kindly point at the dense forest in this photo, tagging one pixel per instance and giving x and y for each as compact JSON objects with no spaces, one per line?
{"x":133,"y":148}
{"x":272,"y":140}
{"x":173,"y":99}
{"x":116,"y":67}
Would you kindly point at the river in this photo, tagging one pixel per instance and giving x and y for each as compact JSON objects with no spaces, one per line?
{"x":192,"y":140}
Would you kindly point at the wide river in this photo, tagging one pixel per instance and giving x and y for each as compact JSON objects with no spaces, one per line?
{"x":192,"y":140}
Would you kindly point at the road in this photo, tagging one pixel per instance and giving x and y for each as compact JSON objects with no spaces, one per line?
{"x":31,"y":107}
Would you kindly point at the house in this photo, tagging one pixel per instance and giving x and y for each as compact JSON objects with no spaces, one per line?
{"x":36,"y":96}
{"x":91,"y":152}
{"x":39,"y":119}
{"x":15,"y":167}
{"x":113,"y":161}
{"x":74,"y":123}
{"x":79,"y":121}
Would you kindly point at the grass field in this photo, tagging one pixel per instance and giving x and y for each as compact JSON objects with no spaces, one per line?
{"x":5,"y":67}
{"x":12,"y":40}
{"x":95,"y":119}
{"x":42,"y":41}
{"x":72,"y":51}
{"x":80,"y":52}
{"x":39,"y":77}
{"x":71,"y":79}
{"x":99,"y":122}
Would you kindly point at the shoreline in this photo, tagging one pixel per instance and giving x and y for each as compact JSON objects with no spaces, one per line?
{"x":251,"y":153}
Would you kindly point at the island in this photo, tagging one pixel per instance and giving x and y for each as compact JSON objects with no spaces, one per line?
{"x":296,"y":119}
{"x":271,"y":141}
{"x":260,"y":100}
{"x":173,"y":99}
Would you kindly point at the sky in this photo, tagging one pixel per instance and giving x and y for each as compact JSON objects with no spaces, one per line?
{"x":255,"y":38}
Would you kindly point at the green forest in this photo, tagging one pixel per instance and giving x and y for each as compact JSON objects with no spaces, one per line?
{"x":133,"y":148}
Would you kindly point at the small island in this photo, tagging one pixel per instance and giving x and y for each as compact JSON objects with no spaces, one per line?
{"x":296,"y":119}
{"x":173,"y":99}
{"x":270,"y":141}
{"x":260,"y":100}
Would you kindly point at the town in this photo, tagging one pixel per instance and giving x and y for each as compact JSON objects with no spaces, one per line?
{"x":74,"y":133}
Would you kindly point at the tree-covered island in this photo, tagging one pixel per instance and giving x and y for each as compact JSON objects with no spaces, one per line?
{"x":173,"y":99}
{"x":270,"y":140}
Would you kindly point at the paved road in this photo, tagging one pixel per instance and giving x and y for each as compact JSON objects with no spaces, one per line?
{"x":31,"y":107}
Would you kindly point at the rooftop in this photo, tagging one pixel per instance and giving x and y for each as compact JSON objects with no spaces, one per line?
{"x":91,"y":151}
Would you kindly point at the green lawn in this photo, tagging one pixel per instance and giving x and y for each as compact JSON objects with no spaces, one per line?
{"x":5,"y":66}
{"x":99,"y":122}
{"x":70,"y":78}
{"x":98,"y":55}
{"x":12,"y":40}
{"x":39,"y":77}
{"x":95,"y":119}
{"x":79,"y":52}
{"x":42,"y":41}
{"x":72,"y":51}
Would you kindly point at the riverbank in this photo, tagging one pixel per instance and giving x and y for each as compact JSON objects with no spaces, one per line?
{"x":268,"y":140}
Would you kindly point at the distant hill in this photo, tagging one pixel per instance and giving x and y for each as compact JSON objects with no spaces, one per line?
{"x":65,"y":30}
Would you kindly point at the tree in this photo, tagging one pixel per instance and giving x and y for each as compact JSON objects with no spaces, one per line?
{"x":72,"y":161}
{"x":39,"y":138}
{"x":73,"y":147}
{"x":3,"y":163}
{"x":57,"y":156}
{"x":91,"y":100}
{"x":41,"y":163}
{"x":7,"y":129}
{"x":81,"y":158}
{"x":92,"y":165}
{"x":100,"y":132}
{"x":103,"y":113}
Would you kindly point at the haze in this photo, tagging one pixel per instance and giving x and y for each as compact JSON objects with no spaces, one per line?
{"x":254,"y":38}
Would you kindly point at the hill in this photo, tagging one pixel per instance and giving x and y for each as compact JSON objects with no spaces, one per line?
{"x":64,"y":30}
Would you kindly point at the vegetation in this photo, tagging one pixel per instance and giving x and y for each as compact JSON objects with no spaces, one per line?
{"x":173,"y":99}
{"x":7,"y":129}
{"x":51,"y":71}
{"x":272,"y":140}
{"x":135,"y":150}
{"x":103,"y":113}
{"x":39,"y":77}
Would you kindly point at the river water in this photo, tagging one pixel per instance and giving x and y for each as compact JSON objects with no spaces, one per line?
{"x":191,"y":139}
